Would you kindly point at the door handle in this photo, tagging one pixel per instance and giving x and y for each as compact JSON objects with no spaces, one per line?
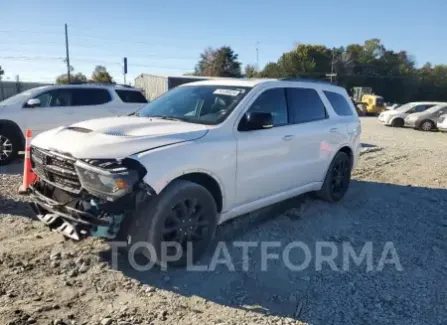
{"x":287,"y":137}
{"x":333,"y":130}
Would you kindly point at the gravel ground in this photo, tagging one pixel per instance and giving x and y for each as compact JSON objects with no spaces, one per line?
{"x":398,"y":195}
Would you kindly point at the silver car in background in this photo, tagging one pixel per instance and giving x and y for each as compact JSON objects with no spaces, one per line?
{"x":396,"y":117}
{"x":426,"y":120}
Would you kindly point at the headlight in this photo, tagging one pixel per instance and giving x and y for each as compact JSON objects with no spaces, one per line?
{"x":106,"y":184}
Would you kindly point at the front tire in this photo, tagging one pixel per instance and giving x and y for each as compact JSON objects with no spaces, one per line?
{"x":397,"y":123}
{"x":9,"y":146}
{"x":184,"y":212}
{"x":338,"y":177}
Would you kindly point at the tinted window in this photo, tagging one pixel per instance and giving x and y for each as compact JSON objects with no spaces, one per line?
{"x":131,"y":96}
{"x":272,"y":101}
{"x":44,"y":99}
{"x":55,"y":98}
{"x":421,"y":108}
{"x":83,"y":97}
{"x":379,"y":101}
{"x":339,"y":103}
{"x":305,"y":105}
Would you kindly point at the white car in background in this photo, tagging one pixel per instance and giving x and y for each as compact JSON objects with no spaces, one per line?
{"x":442,"y":123}
{"x":391,"y":106}
{"x":396,"y":117}
{"x":43,"y":108}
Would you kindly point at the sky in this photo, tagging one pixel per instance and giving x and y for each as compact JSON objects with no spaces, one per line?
{"x":166,"y":37}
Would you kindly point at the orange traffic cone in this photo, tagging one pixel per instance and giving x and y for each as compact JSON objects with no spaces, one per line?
{"x":29,"y":176}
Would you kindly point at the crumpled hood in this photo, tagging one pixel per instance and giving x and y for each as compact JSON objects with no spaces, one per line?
{"x":117,"y":137}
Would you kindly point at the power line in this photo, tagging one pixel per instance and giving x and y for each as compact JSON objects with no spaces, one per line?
{"x":148,"y":56}
{"x":39,"y":58}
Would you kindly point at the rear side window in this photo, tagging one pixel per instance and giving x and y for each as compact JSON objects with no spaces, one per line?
{"x":421,"y":108}
{"x":84,"y":97}
{"x":339,"y":103}
{"x":131,"y":96}
{"x":305,"y":105}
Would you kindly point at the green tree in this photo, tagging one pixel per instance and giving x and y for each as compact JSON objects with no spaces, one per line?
{"x":251,"y":71}
{"x":271,"y":70}
{"x":220,"y":62}
{"x":78,"y":77}
{"x":101,"y":75}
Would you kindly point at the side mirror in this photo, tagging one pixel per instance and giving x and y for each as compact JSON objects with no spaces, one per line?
{"x":33,"y":102}
{"x":256,"y":121}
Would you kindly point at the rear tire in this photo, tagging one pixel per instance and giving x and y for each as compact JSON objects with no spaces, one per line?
{"x":397,"y":123}
{"x":427,"y":125}
{"x":183,"y":212}
{"x":10,"y":144}
{"x":338,"y":177}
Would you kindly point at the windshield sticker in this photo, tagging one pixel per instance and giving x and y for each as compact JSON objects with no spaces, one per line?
{"x":227,"y":92}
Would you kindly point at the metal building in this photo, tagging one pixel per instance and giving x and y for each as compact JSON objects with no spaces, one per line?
{"x":155,"y":86}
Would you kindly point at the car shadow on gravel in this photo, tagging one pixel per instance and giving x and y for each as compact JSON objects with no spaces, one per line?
{"x":16,"y":168}
{"x":409,"y":217}
{"x":15,"y":207}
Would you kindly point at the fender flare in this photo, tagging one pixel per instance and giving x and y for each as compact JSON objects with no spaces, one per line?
{"x":14,"y":126}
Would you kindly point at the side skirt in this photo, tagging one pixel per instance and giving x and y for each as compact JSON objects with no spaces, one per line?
{"x":262,"y":203}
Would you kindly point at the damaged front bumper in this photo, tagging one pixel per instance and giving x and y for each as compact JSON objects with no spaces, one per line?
{"x":90,"y":197}
{"x":77,"y":218}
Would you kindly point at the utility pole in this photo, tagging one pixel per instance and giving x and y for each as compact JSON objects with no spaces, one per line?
{"x":332,"y":74}
{"x":67,"y":53}
{"x":257,"y":55}
{"x":125,"y":69}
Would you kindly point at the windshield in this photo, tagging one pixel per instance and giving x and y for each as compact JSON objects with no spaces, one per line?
{"x":16,"y":98}
{"x":204,"y":104}
{"x":405,"y":107}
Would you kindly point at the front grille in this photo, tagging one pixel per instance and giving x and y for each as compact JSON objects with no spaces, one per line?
{"x":56,"y":169}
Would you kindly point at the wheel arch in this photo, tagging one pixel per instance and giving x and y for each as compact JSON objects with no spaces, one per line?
{"x":201,"y":177}
{"x":347,"y":150}
{"x":393,"y":119}
{"x":14,"y":126}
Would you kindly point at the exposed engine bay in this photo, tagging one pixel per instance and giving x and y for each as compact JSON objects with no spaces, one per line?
{"x":81,"y":198}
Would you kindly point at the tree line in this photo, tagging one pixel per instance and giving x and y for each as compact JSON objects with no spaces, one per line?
{"x":99,"y":75}
{"x":391,"y":74}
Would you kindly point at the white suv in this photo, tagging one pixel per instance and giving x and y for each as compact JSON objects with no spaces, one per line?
{"x":200,"y":154}
{"x":47,"y":107}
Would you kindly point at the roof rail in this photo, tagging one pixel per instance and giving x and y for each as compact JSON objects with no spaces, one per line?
{"x":124,"y":85}
{"x":98,"y":83}
{"x":308,"y":80}
{"x":77,"y":82}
